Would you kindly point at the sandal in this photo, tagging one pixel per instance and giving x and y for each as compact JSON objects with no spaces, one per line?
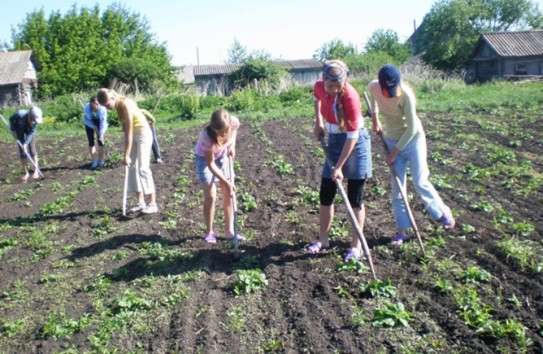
{"x":315,"y":248}
{"x":25,"y":177}
{"x":399,"y":239}
{"x":210,"y":238}
{"x":354,"y":253}
{"x":240,"y":238}
{"x":447,"y":220}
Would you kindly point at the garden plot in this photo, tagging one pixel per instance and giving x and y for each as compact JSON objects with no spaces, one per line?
{"x":75,"y":277}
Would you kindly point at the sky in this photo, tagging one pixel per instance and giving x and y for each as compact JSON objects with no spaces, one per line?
{"x":202,"y":31}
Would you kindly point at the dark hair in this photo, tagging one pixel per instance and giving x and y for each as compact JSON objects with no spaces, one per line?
{"x":103,"y":95}
{"x":94,"y":99}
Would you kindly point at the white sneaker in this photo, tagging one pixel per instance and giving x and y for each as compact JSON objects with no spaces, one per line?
{"x":150,"y":209}
{"x":137,"y":208}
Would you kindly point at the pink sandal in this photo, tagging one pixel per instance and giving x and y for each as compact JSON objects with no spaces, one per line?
{"x":315,"y":248}
{"x":353,"y":253}
{"x":240,"y":238}
{"x":210,"y":238}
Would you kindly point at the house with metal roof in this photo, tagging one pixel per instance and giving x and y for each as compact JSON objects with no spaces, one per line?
{"x":214,"y":79}
{"x":507,"y":55}
{"x":18,"y":78}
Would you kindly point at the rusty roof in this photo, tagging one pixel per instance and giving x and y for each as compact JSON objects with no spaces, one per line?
{"x":14,"y":66}
{"x":515,"y":44}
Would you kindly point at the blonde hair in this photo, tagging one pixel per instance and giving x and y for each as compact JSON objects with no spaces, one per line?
{"x":220,"y":119}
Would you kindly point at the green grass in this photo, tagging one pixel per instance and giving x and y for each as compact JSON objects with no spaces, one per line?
{"x":432,"y":95}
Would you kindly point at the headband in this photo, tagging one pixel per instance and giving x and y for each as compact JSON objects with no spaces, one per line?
{"x":337,"y":77}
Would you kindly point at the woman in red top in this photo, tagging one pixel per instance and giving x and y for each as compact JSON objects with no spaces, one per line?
{"x":349,"y":148}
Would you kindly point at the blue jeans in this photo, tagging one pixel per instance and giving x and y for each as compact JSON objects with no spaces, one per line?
{"x":414,"y":154}
{"x":155,"y":147}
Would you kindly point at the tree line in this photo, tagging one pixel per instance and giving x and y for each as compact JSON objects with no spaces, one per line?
{"x":86,"y":48}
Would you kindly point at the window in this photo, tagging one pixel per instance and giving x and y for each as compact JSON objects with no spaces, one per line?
{"x":521,"y":69}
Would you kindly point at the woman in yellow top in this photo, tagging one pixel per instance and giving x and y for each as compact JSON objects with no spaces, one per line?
{"x":394,"y":102}
{"x":137,"y":148}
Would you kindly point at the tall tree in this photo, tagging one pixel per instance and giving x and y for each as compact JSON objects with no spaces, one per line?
{"x":387,"y":41}
{"x":237,"y":53}
{"x":451,"y":29}
{"x":84,"y":49}
{"x":335,"y":49}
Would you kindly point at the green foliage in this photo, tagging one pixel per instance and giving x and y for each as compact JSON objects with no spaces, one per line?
{"x":85,"y":49}
{"x":382,"y":288}
{"x":140,"y":72}
{"x":452,"y":27}
{"x":391,"y":315}
{"x":296,"y":94}
{"x":523,"y":228}
{"x":10,"y":329}
{"x":6,"y":245}
{"x":242,"y":100}
{"x":474,"y":275}
{"x":249,"y":281}
{"x":352,"y":266}
{"x":237,"y":53}
{"x":368,"y":63}
{"x":387,"y":41}
{"x":280,"y":164}
{"x":335,"y":49}
{"x":257,"y":69}
{"x":58,"y":325}
{"x":130,"y":301}
{"x":246,"y":202}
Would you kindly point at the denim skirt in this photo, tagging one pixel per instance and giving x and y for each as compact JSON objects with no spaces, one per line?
{"x":358,"y":164}
{"x":204,"y":173}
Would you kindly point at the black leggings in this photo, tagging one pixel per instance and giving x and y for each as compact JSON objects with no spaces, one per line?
{"x":355,"y":187}
{"x":90,"y":137}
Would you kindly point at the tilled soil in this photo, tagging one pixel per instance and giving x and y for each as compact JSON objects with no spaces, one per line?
{"x":84,"y":279}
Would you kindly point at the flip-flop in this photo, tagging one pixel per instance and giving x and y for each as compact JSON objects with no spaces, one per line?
{"x":210,"y":238}
{"x":314,"y":248}
{"x":240,"y":238}
{"x":25,"y":177}
{"x":35,"y":177}
{"x":399,"y":239}
{"x":353,"y":253}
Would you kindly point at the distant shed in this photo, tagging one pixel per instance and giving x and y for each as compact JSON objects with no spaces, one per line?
{"x":508,"y":55}
{"x":212,"y":79}
{"x":18,"y":78}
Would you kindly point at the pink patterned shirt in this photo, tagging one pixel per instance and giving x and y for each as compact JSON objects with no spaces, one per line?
{"x":204,"y":143}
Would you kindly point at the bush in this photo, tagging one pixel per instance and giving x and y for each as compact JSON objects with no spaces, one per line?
{"x":296,"y":94}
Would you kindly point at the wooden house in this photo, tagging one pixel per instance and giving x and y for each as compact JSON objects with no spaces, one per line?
{"x":18,"y":78}
{"x":507,"y":55}
{"x":214,"y":79}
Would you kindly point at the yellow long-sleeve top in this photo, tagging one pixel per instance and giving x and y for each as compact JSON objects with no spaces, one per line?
{"x":398,"y":114}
